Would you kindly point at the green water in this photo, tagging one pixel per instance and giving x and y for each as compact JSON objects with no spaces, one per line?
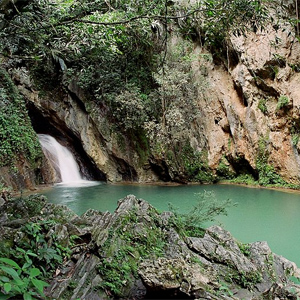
{"x":260,"y":214}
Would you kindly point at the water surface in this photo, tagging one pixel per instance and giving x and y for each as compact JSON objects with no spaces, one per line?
{"x":260,"y":215}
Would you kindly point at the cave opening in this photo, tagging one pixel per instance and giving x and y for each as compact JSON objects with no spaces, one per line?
{"x":53,"y":126}
{"x":242,"y":166}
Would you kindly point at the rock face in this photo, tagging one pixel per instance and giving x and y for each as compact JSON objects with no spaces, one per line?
{"x":244,"y":107}
{"x":242,"y":104}
{"x":138,"y":253}
{"x":168,"y":265}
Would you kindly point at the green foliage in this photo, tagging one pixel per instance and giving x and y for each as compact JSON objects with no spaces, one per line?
{"x":16,"y":280}
{"x":295,"y":139}
{"x":245,"y":248}
{"x":262,"y":105}
{"x":295,"y":132}
{"x":267,"y":174}
{"x":206,"y":210}
{"x":195,"y":164}
{"x":114,"y":50}
{"x":117,"y":271}
{"x":131,"y":242}
{"x":105,"y":45}
{"x":246,"y":280}
{"x":46,"y":253}
{"x":141,"y":144}
{"x":244,"y":179}
{"x":130,"y":108}
{"x":16,"y":133}
{"x":223,"y":170}
{"x":236,"y":16}
{"x":295,"y":67}
{"x":65,"y":31}
{"x":224,"y":290}
{"x":283,"y":102}
{"x":36,"y":248}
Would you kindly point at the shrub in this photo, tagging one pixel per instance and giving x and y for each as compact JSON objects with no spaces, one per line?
{"x":16,"y":280}
{"x":266,"y":172}
{"x":16,"y":133}
{"x":283,"y":101}
{"x":262,"y":105}
{"x":206,"y":210}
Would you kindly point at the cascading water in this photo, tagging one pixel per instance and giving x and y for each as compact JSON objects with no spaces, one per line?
{"x":60,"y":158}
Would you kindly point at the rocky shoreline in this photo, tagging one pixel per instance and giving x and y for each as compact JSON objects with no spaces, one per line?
{"x":139,"y":253}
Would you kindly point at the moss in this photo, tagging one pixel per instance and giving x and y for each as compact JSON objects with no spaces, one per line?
{"x":17,"y":136}
{"x":266,"y":172}
{"x":195,"y":164}
{"x":128,"y":243}
{"x":283,"y":102}
{"x":141,"y":144}
{"x":262,"y":105}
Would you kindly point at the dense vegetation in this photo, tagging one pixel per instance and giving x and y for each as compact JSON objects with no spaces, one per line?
{"x":18,"y":140}
{"x":37,"y":241}
{"x":117,"y":52}
{"x":28,"y":260}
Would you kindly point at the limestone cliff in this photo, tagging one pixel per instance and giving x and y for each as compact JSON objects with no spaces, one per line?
{"x":220,"y":114}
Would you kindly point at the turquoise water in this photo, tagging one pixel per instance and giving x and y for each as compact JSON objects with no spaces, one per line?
{"x":260,"y":214}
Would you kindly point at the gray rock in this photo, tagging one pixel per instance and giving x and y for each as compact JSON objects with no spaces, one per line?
{"x":117,"y":260}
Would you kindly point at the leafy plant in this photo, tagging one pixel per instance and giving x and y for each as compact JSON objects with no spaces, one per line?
{"x":262,"y":105}
{"x":16,"y":133}
{"x":244,"y":179}
{"x":266,"y":172}
{"x":206,"y":210}
{"x":283,"y":102}
{"x":16,"y":280}
{"x":223,"y":170}
{"x":195,"y":164}
{"x":126,"y":246}
{"x":245,"y":248}
{"x":224,"y":289}
{"x":45,"y":253}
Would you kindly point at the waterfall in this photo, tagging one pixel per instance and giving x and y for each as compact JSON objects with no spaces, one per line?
{"x":61,"y":159}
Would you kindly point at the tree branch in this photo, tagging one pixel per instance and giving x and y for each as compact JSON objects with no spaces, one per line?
{"x":159,"y":17}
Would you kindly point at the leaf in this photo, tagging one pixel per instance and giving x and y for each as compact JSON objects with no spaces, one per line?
{"x":27,"y":296}
{"x":10,"y":262}
{"x":19,"y":284}
{"x":39,"y":284}
{"x":27,"y":265}
{"x":34,"y":272}
{"x":4,"y":279}
{"x":4,"y":297}
{"x":10,"y":271}
{"x":7,"y":287}
{"x":31,"y":254}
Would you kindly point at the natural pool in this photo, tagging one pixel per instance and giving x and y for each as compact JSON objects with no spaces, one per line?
{"x":260,"y":214}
